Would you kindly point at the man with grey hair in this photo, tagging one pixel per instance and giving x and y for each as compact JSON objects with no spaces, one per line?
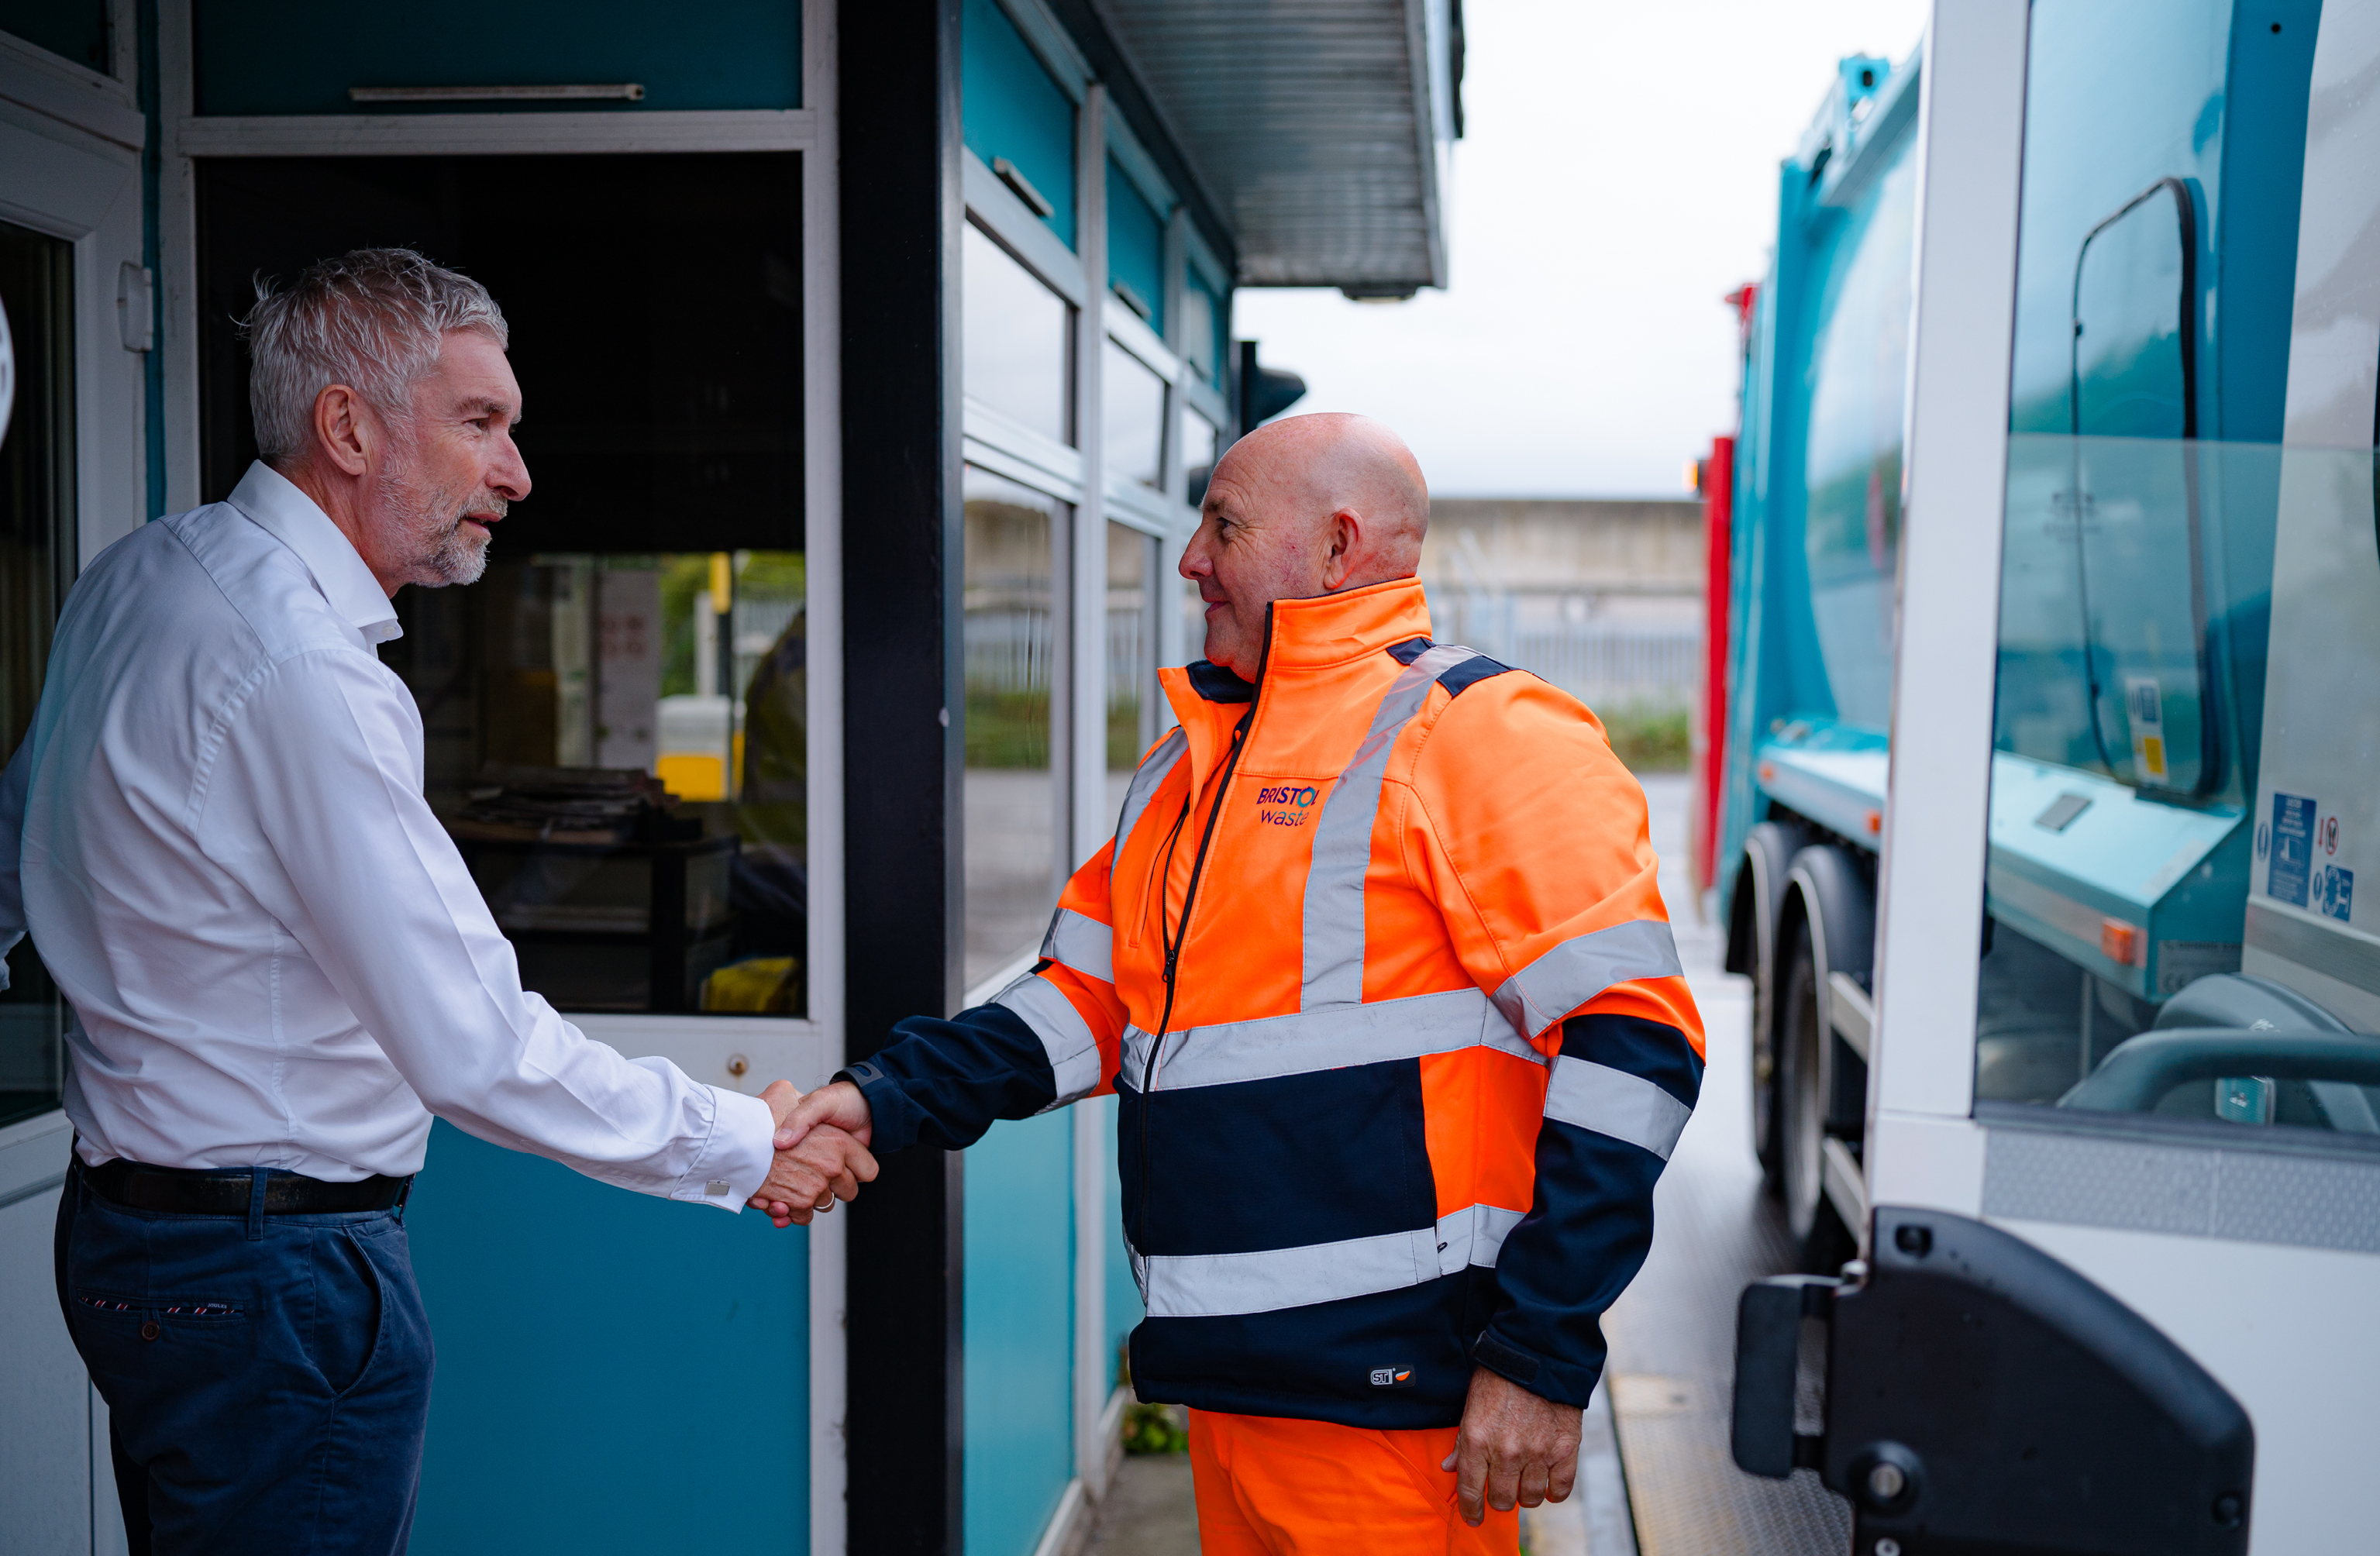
{"x":278,"y":965}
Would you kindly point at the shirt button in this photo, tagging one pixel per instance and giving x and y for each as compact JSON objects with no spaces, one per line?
{"x":149,"y":1331}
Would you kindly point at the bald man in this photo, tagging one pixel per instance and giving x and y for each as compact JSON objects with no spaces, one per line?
{"x":1377,"y":968}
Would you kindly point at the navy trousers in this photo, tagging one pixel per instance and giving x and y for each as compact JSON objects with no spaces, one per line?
{"x":267,"y":1377}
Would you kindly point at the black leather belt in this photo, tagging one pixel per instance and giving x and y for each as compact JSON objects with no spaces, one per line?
{"x":224,"y":1191}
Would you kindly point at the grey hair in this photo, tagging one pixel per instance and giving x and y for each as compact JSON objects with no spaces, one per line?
{"x":374,"y":320}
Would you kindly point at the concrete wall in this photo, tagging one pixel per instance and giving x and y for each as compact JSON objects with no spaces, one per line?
{"x":1565,"y":545}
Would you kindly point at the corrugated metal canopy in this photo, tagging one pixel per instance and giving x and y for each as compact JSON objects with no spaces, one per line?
{"x":1316,"y":126}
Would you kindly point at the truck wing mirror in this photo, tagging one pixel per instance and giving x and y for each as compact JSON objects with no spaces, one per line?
{"x":1983,"y":1397}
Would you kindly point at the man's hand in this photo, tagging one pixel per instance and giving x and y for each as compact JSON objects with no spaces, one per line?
{"x":827,"y":1164}
{"x":841,"y":1104}
{"x":1512,"y":1446}
{"x":806,"y":1181}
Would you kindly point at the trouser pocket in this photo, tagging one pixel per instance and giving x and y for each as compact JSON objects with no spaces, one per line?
{"x":349,"y":1311}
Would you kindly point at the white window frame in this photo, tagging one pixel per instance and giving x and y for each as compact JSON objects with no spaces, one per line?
{"x":1925,"y":1148}
{"x":804,"y":1049}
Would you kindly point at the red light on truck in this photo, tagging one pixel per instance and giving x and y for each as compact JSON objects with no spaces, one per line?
{"x":2120,"y":942}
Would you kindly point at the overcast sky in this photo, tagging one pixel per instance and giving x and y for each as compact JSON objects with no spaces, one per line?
{"x":1617,"y":178}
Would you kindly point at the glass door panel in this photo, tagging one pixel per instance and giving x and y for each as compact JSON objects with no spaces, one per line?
{"x":1015,"y":801}
{"x":37,"y":564}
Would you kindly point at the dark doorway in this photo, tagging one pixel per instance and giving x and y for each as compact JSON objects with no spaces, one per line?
{"x":655,"y":306}
{"x":615,"y":716}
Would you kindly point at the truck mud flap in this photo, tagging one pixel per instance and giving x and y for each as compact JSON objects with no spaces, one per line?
{"x":1983,"y":1397}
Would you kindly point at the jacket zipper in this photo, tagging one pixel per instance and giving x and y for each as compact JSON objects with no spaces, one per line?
{"x":1189,"y":902}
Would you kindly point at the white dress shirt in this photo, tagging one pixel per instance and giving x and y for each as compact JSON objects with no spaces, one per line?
{"x":275,"y":954}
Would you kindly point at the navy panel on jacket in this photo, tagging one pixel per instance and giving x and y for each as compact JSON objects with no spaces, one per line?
{"x":1468,"y":674}
{"x":1590,"y":1224}
{"x":944,"y":1083}
{"x":1281,"y":1163}
{"x":1654,"y":1050}
{"x":1216,"y":684}
{"x":1315,"y":1363}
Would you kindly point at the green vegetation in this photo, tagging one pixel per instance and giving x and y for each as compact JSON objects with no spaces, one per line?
{"x":1007,"y":728}
{"x":1123,"y":736}
{"x":1648,"y":740}
{"x":761,"y":575}
{"x":1154,"y":1428}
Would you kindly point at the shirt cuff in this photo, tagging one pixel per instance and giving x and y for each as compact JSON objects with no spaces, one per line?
{"x":735,"y":1162}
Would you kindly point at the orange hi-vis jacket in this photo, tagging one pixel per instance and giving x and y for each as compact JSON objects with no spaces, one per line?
{"x":1378,"y":969}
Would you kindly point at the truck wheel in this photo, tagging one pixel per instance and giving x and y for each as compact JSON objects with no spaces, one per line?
{"x":1768,"y":851}
{"x":1768,"y":1123}
{"x":1821,"y":1243}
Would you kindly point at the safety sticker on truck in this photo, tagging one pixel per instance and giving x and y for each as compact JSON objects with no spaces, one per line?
{"x":2293,"y":849}
{"x":2333,"y":889}
{"x":2144,"y":706}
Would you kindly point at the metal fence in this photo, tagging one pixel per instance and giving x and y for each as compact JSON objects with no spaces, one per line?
{"x":1651,"y":666}
{"x":1010,"y":650}
{"x":1648,"y":666}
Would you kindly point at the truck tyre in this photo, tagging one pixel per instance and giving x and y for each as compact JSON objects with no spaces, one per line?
{"x":1768,"y":850}
{"x":1821,"y":1243}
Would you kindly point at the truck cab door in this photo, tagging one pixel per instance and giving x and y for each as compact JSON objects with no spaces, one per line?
{"x":2148,"y":1211}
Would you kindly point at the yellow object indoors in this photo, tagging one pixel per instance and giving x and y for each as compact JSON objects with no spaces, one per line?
{"x":691,"y":775}
{"x":763,"y":985}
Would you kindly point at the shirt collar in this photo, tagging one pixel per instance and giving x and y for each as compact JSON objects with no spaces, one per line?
{"x":290,"y":516}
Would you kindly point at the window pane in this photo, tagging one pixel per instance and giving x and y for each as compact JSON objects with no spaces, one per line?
{"x":1014,"y":805}
{"x":2206,"y":816}
{"x":614,"y":715}
{"x":619,"y":745}
{"x":1132,"y":402}
{"x":37,"y":562}
{"x":1198,"y":331}
{"x":1014,"y":340}
{"x":1198,"y":452}
{"x":2181,"y":795}
{"x":1135,"y":705}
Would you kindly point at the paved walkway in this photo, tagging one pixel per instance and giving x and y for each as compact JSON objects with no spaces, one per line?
{"x":1147,"y":1511}
{"x":1672,"y":1334}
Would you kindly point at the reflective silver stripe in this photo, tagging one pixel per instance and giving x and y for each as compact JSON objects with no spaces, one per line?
{"x":1578,"y":970}
{"x":1216,"y":1286}
{"x":1150,"y":773}
{"x":1066,"y":1036}
{"x":1609,"y":1101}
{"x":1323,"y":1040}
{"x":1343,"y":839}
{"x":1081,"y":943}
{"x":1473,"y":1235}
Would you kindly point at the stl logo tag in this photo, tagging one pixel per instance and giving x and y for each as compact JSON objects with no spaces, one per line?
{"x":1392,"y":1377}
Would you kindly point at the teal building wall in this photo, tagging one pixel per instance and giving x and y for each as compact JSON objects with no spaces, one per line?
{"x":1019,"y":1329}
{"x":617,"y":1375}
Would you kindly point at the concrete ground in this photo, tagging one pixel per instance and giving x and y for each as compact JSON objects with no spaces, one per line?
{"x":1147,"y":1511}
{"x":1672,"y":1334}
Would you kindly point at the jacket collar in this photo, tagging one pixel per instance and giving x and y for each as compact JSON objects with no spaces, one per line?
{"x":1325,"y":630}
{"x":1332,"y":630}
{"x":281,"y":511}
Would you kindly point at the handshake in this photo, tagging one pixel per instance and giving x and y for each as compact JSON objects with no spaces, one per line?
{"x":821,"y":1152}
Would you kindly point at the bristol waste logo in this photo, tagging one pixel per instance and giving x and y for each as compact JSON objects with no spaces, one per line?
{"x":1291,"y":805}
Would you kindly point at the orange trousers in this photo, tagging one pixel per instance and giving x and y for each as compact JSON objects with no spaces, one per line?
{"x":1268,"y":1487}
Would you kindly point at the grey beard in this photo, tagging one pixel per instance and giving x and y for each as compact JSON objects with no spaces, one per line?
{"x":438,"y":554}
{"x":454,"y":560}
